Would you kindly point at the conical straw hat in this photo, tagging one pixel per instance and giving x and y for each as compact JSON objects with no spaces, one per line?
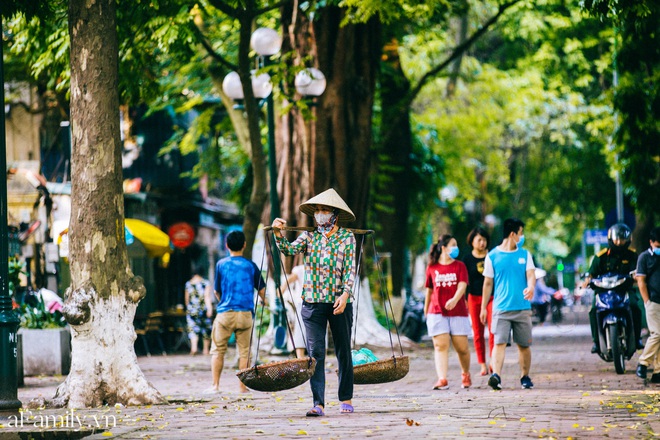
{"x":328,"y":198}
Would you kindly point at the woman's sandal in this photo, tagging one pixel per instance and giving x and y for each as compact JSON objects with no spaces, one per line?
{"x":317,"y":411}
{"x":346,"y":408}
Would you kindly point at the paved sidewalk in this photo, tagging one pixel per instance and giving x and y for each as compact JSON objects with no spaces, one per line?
{"x":576,"y":395}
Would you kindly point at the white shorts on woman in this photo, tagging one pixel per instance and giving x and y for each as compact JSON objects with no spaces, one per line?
{"x":437,"y":324}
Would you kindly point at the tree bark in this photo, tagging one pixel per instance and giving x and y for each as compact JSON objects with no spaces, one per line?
{"x":333,"y":149}
{"x":254,"y":209}
{"x":104,"y":293}
{"x":461,"y":37}
{"x":394,"y":186}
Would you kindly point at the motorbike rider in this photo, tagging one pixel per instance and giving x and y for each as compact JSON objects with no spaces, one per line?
{"x":616,"y":258}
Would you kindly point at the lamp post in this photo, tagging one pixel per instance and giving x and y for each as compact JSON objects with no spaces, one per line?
{"x":8,"y":319}
{"x":309,"y":82}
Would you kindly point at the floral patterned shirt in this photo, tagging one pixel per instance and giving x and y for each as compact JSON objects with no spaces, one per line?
{"x":329,"y":263}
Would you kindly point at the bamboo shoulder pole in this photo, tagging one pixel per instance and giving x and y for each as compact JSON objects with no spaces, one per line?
{"x":311,"y":228}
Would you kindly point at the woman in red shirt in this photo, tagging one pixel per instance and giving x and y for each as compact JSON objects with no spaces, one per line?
{"x":446,"y":310}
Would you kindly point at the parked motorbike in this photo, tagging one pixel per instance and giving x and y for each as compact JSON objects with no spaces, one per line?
{"x":616,"y":335}
{"x":412,"y":321}
{"x":556,"y":304}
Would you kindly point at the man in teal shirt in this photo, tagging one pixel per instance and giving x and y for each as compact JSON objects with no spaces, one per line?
{"x":509,"y":269}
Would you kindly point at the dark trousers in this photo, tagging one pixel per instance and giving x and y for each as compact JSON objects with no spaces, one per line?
{"x":316,"y":317}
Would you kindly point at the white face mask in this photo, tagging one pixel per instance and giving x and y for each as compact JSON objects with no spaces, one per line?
{"x":323,"y":217}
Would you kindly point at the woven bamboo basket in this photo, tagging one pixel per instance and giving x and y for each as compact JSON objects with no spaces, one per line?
{"x":278,"y":376}
{"x":384,"y":370}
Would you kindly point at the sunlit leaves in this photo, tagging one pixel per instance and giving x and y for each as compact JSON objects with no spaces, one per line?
{"x":389,"y":11}
{"x":525,"y":122}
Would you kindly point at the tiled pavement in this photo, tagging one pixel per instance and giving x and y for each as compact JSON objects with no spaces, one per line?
{"x":576,"y":395}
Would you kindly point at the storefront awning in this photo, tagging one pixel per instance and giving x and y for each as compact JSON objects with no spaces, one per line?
{"x":156,"y":242}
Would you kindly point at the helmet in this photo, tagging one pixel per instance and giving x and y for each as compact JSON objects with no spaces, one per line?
{"x":621,"y":232}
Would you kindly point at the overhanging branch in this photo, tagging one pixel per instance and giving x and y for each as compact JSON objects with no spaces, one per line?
{"x":207,"y":45}
{"x":225,"y":8}
{"x":258,"y":12}
{"x":458,"y":51}
{"x":404,"y":104}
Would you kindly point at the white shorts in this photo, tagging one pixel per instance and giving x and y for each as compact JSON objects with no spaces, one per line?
{"x":437,"y":324}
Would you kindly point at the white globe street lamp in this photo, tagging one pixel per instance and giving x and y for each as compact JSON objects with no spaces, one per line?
{"x":310,"y":82}
{"x":261,"y":86}
{"x":266,"y":42}
{"x":232,"y":86}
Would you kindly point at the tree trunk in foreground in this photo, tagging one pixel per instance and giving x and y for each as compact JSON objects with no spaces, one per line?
{"x":104,"y":293}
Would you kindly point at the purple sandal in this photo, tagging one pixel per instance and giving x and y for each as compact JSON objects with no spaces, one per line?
{"x":317,"y":411}
{"x":346,"y":408}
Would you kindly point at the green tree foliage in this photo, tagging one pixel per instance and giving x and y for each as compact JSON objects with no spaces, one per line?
{"x":31,"y":8}
{"x":637,"y":100}
{"x":165,"y":62}
{"x":525,"y":132}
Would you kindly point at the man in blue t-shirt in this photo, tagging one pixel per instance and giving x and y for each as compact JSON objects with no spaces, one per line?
{"x":236,"y":279}
{"x":510,"y":270}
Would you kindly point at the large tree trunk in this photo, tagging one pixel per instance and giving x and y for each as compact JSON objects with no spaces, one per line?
{"x":255,"y":207}
{"x":104,"y":293}
{"x":393,"y":187}
{"x":332,"y":150}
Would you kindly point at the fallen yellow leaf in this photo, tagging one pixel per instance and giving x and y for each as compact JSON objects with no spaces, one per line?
{"x":302,"y":432}
{"x":576,"y":425}
{"x":107,"y":434}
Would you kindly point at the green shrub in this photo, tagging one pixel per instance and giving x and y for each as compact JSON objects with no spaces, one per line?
{"x":31,"y":307}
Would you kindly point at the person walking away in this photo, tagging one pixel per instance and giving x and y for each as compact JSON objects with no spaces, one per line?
{"x":509,"y":272}
{"x":295,"y":282}
{"x":479,"y":240}
{"x":446,"y":310}
{"x":199,"y":311}
{"x":542,"y":295}
{"x":648,"y":280}
{"x":619,"y":259}
{"x":329,"y":258}
{"x":236,"y":279}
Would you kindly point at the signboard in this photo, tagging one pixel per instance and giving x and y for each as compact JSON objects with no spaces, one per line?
{"x":181,"y":234}
{"x":595,"y":236}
